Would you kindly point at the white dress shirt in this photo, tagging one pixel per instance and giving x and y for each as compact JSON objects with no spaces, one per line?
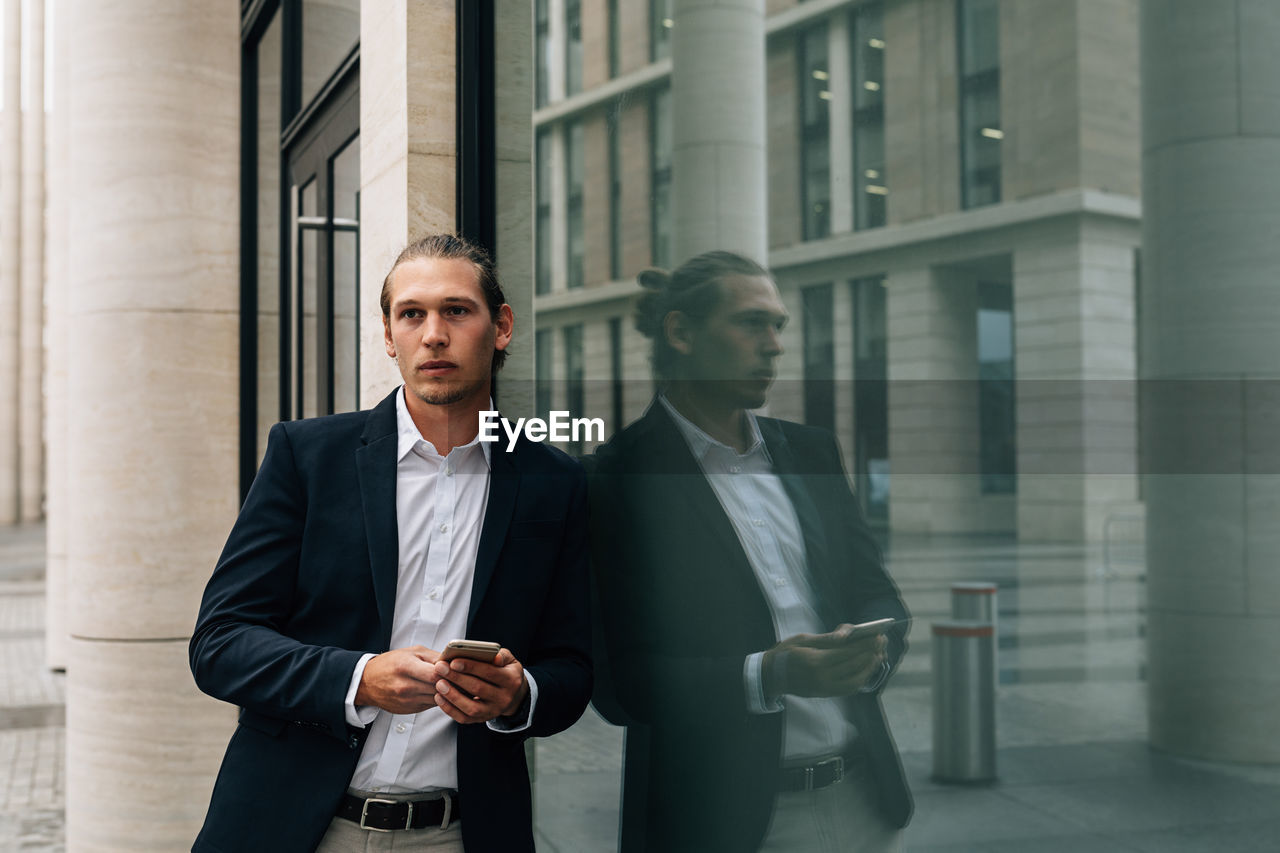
{"x":757,"y":505}
{"x":440,"y":506}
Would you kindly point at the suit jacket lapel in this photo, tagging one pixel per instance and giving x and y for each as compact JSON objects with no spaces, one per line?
{"x":376,"y":467}
{"x":671,"y":457}
{"x":504,"y":483}
{"x":793,"y":481}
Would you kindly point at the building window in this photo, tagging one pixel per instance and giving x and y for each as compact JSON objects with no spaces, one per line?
{"x":615,"y":38}
{"x":572,"y":47}
{"x":815,"y":123}
{"x":615,"y":191}
{"x":575,"y":398}
{"x":575,"y":242}
{"x":615,"y":371}
{"x":661,"y":22}
{"x":819,"y":357}
{"x":870,"y":184}
{"x":660,"y":176}
{"x":871,"y":397}
{"x":978,"y":34}
{"x":997,"y":428}
{"x":542,"y":373}
{"x":330,"y":32}
{"x":542,"y":54}
{"x":542,"y":277}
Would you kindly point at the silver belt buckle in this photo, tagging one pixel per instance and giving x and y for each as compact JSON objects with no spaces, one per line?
{"x":364,"y":814}
{"x":837,"y":761}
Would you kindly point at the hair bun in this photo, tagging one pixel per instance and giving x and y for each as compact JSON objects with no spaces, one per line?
{"x":654,"y":279}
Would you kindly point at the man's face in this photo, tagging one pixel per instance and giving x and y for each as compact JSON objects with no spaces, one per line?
{"x":440,"y":331}
{"x":733,"y":352}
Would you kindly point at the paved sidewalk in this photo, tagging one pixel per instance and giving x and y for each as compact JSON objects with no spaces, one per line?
{"x":32,"y":704}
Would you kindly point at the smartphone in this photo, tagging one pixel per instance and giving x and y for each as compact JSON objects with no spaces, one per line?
{"x":869,"y":629}
{"x":471,"y":649}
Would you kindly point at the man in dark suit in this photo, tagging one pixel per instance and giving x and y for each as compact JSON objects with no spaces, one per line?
{"x":367,"y":542}
{"x":732,"y":560}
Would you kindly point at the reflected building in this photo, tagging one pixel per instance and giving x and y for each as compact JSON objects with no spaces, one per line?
{"x":952,"y":214}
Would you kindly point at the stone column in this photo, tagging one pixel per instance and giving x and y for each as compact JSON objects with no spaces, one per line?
{"x":933,"y":402}
{"x":57,"y":359}
{"x":1073,"y":319}
{"x":1211,"y":342}
{"x":152,"y":438}
{"x":10,"y":261}
{"x":31,"y":315}
{"x":408,"y":153}
{"x":718,"y":128}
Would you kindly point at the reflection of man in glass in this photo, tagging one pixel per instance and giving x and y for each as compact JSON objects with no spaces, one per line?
{"x":732,"y":560}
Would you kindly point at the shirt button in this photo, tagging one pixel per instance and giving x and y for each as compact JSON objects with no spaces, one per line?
{"x":444,"y":528}
{"x":433,"y":593}
{"x":779,"y":582}
{"x":400,"y":728}
{"x":448,"y":472}
{"x":758,"y":522}
{"x":734,"y":469}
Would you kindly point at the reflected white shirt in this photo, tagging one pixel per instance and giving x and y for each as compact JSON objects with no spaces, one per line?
{"x":440,"y":506}
{"x":754,"y":499}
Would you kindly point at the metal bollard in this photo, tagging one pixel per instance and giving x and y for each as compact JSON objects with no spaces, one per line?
{"x":976,"y":601}
{"x":964,"y":701}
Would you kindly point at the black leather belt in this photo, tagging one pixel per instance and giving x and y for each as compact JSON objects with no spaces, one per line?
{"x":820,"y":773}
{"x":385,"y":815}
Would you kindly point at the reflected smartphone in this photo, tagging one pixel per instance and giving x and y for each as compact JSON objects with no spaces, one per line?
{"x":869,"y":629}
{"x":472,"y":650}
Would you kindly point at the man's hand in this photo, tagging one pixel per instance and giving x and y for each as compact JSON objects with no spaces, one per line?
{"x":822,"y":664}
{"x":402,"y":681}
{"x":471,"y":691}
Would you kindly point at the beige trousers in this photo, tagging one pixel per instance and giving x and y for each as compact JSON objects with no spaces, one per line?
{"x":840,"y":818}
{"x":344,"y":836}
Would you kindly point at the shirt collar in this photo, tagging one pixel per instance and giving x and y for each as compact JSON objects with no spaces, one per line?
{"x":408,"y":436}
{"x":700,"y":443}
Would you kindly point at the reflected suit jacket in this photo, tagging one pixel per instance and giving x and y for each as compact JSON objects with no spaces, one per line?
{"x":306,"y":585}
{"x":680,"y":609}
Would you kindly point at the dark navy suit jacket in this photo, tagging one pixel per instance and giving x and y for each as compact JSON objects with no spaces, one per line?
{"x":306,"y":585}
{"x":681,"y":609}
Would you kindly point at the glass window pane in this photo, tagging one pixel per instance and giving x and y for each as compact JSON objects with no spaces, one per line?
{"x":542,"y":57}
{"x":660,"y":176}
{"x":346,"y":321}
{"x":996,"y":413}
{"x":870,"y":182}
{"x":575,"y":397}
{"x":268,"y":213}
{"x":330,"y":29}
{"x":819,"y":357}
{"x":573,"y":46}
{"x":542,"y":279}
{"x":815,"y":146}
{"x":576,"y":239}
{"x":661,"y":22}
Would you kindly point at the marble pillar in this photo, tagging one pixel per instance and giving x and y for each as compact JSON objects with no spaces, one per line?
{"x":57,"y":357}
{"x":1210,"y":316}
{"x":408,"y":153}
{"x":31,"y":298}
{"x":152,"y":440}
{"x":10,"y":261}
{"x":718,"y":168}
{"x":1073,"y":292}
